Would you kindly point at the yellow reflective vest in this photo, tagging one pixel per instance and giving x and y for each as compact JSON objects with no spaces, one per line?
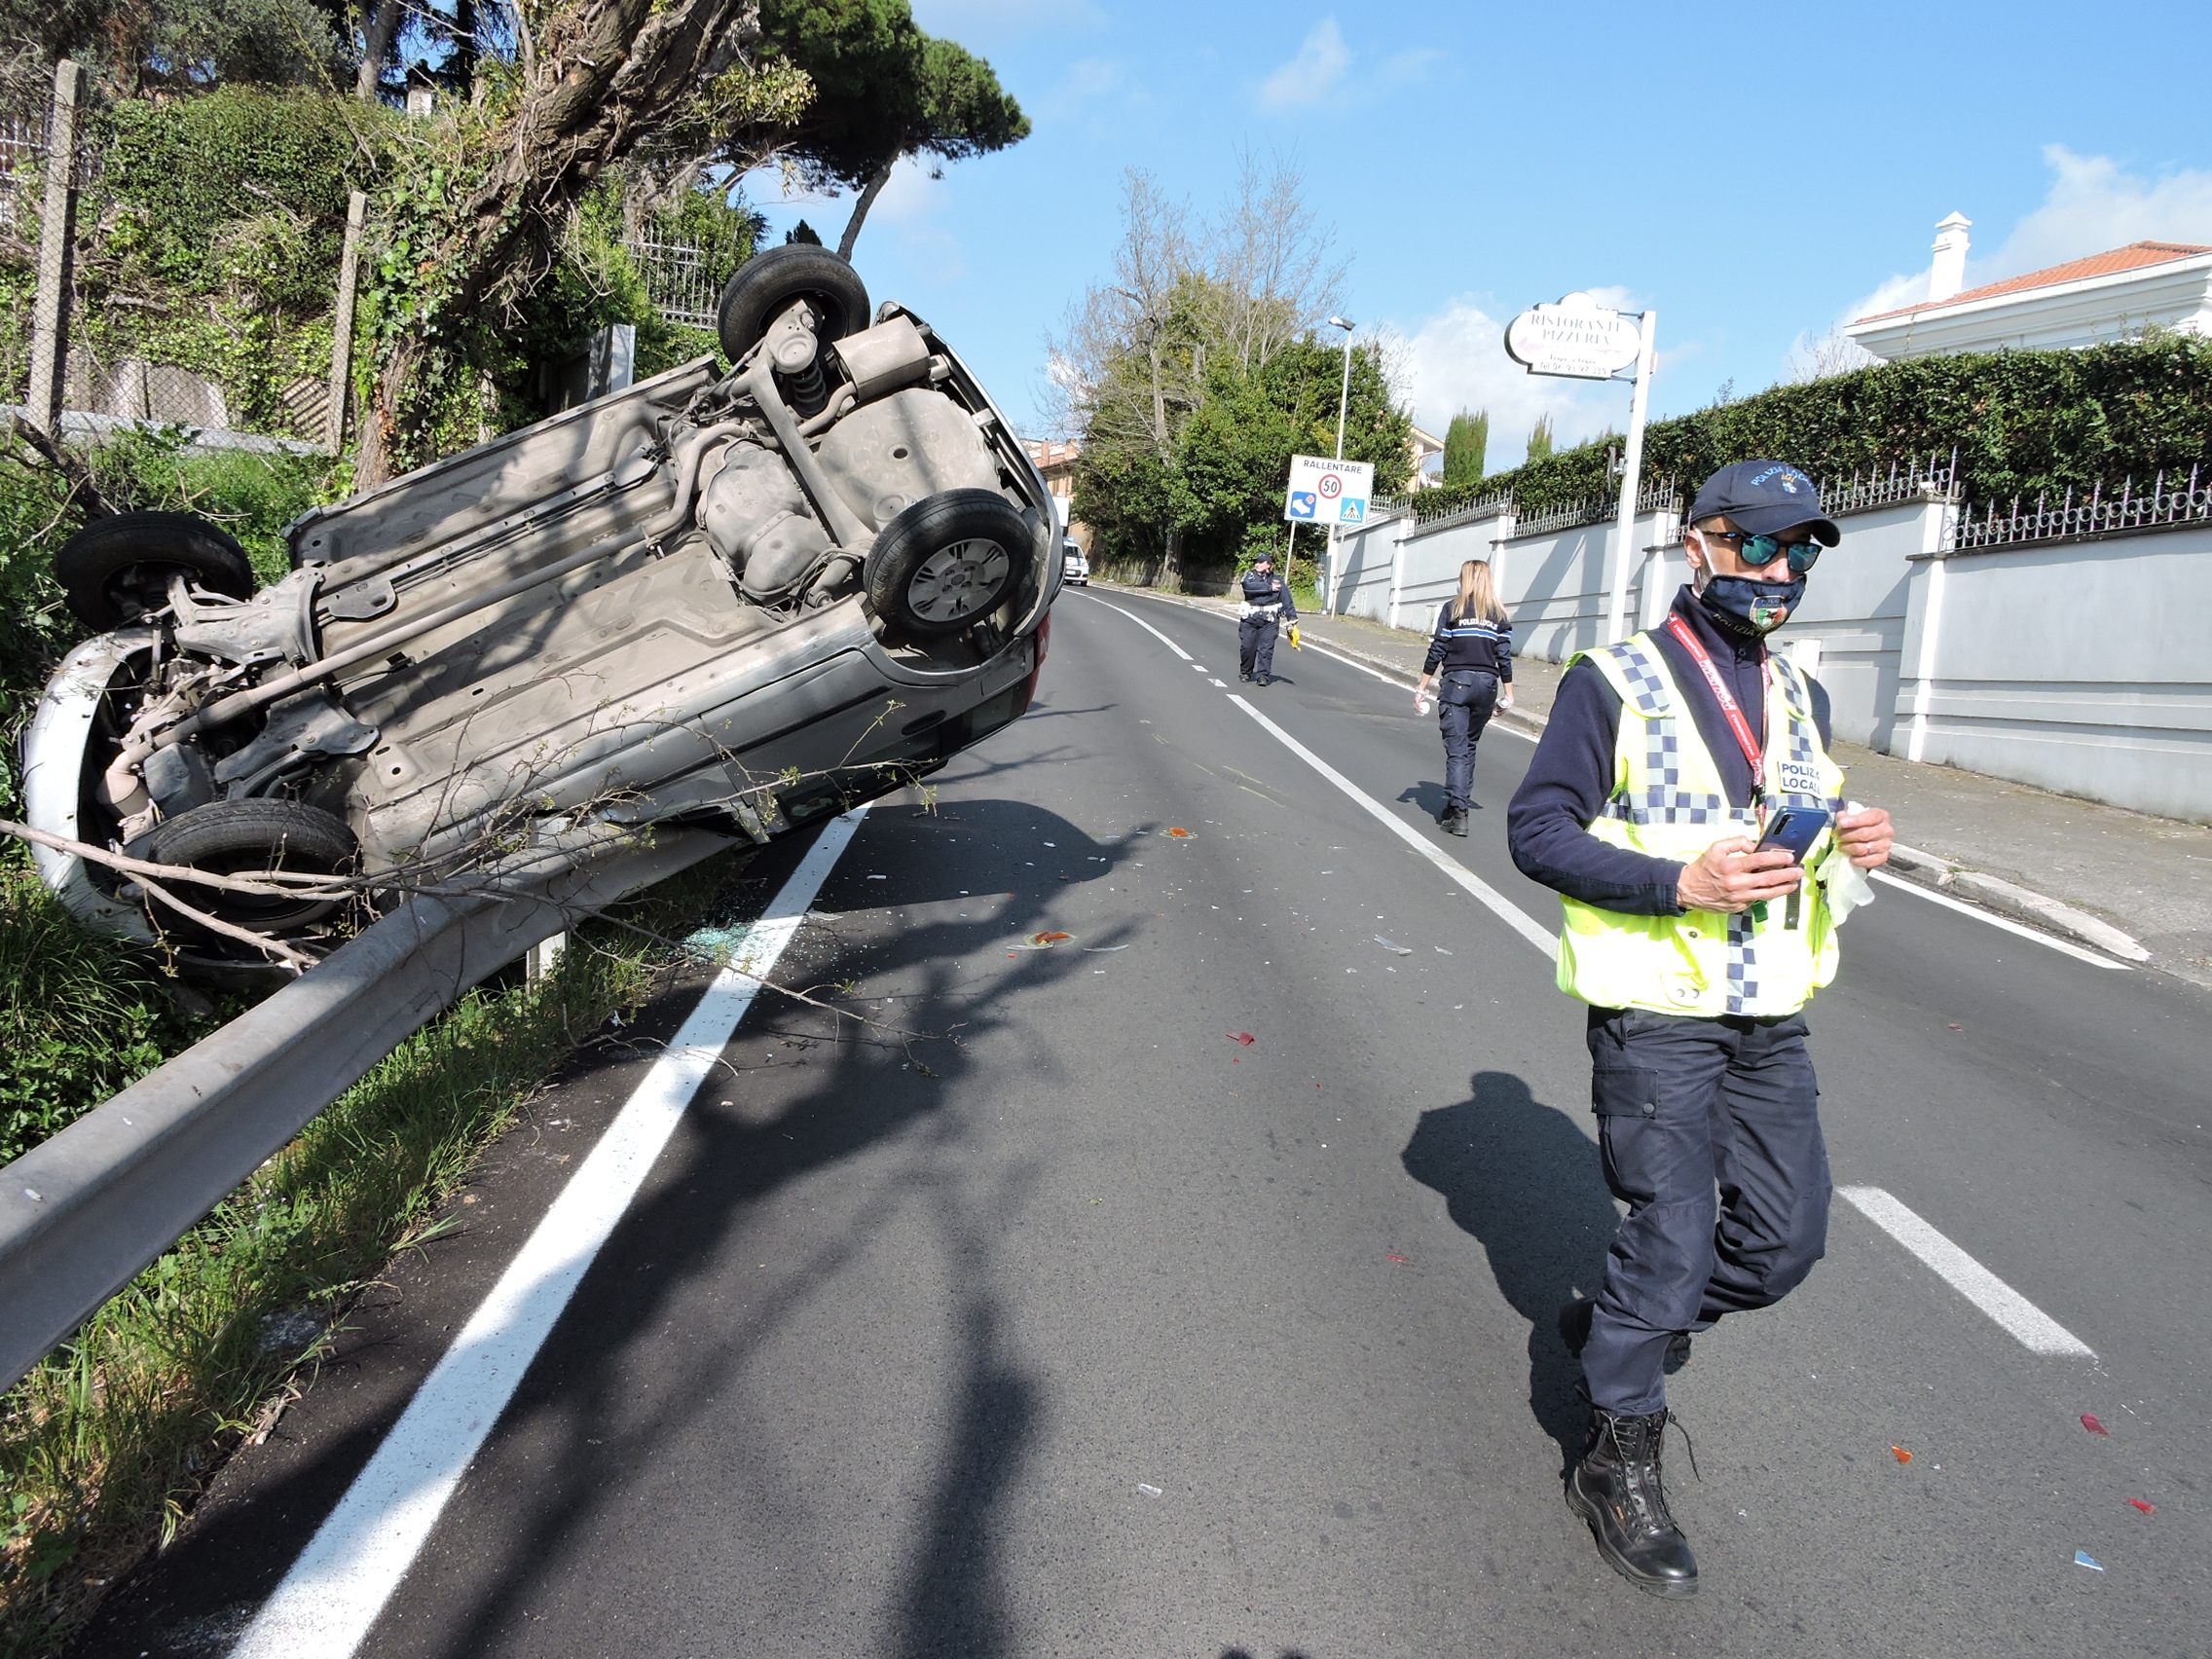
{"x":1669,"y":801}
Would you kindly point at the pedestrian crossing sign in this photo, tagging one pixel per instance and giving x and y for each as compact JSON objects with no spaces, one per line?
{"x":1323,"y":490}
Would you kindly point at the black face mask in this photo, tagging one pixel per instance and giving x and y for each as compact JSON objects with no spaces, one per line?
{"x":1744,"y":606}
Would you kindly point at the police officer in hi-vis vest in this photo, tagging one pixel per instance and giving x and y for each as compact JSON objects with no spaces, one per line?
{"x":1267,"y":605}
{"x":1664,"y":758}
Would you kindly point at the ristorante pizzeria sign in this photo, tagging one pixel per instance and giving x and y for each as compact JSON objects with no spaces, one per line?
{"x":1577,"y":338}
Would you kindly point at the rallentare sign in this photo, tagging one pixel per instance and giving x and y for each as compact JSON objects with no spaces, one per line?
{"x":1577,"y":338}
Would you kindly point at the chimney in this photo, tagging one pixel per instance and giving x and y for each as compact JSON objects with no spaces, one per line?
{"x":1949,"y":272}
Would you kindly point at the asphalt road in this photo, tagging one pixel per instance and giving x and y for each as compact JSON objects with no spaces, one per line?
{"x":1098,"y":1331}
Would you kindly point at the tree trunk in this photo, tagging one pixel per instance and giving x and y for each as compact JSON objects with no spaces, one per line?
{"x":602,"y":84}
{"x":378,"y":33}
{"x":1171,"y":565}
{"x":384,"y":423}
{"x":860,"y":208}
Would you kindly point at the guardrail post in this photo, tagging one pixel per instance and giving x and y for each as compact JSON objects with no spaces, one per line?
{"x":56,"y":252}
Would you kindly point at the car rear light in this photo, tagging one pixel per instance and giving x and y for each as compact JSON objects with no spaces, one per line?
{"x":1044,"y":638}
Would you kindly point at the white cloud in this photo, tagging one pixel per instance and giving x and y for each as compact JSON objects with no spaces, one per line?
{"x":1310,"y":76}
{"x":1089,"y":81}
{"x":1457,"y":360}
{"x":2094,"y":205}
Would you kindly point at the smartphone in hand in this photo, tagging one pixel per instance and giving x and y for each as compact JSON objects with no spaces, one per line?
{"x":1795,"y":829}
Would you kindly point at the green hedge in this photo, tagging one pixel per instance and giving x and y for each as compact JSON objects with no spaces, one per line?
{"x":2023,"y":424}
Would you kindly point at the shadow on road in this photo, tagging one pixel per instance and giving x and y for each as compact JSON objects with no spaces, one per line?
{"x":1425,"y":794}
{"x":643,"y":1364}
{"x":1523,"y":1178}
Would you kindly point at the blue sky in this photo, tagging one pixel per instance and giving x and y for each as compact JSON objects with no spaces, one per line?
{"x":1756,"y":173}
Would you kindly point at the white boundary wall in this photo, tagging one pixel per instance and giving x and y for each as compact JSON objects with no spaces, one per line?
{"x":2084,"y":666}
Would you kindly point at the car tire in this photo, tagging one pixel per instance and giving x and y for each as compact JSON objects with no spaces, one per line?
{"x":118,"y":569}
{"x":946,"y":561}
{"x":764,"y":285}
{"x":247,"y":837}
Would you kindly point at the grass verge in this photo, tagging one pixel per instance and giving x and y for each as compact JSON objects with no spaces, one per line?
{"x":106,"y":1445}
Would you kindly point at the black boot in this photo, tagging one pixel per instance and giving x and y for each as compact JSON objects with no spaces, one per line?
{"x":1617,"y":1489}
{"x":1453,"y":821}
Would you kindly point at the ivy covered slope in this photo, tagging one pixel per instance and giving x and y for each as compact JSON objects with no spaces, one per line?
{"x":2023,"y":422}
{"x":216,"y":228}
{"x":212,"y":232}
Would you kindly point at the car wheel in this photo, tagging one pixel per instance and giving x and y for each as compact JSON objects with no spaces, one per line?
{"x":764,"y":285}
{"x":946,"y":561}
{"x":118,"y":569}
{"x":250,"y":837}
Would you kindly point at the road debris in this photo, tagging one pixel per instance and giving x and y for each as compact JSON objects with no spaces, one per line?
{"x":1394,"y":949}
{"x":1178,"y":833}
{"x":1243,"y":1037}
{"x":2083,"y":1557}
{"x":1155,"y":1492}
{"x":2146,"y":1509}
{"x":1101,"y":949}
{"x":1400,"y":1260}
{"x":2094,"y":1427}
{"x":1042,"y":940}
{"x":1901,"y":1453}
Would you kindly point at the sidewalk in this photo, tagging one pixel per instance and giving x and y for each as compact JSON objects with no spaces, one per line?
{"x":2148,"y":877}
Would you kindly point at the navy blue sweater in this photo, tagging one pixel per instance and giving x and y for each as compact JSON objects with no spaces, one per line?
{"x":1478,"y":642}
{"x":1571,"y":778}
{"x":1269,"y":590}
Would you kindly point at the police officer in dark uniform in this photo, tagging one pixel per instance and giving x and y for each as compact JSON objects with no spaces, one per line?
{"x":1267,"y":605}
{"x":1664,"y":758}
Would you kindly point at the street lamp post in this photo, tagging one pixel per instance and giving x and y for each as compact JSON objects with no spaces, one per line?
{"x":1344,"y":402}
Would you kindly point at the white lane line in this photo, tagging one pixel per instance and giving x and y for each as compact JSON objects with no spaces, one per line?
{"x":2036,"y":1330}
{"x":1146,"y":626}
{"x":2030,"y":1324}
{"x":1320,"y":650}
{"x":1503,"y":908}
{"x":2064,"y":947}
{"x":1223,"y":684}
{"x":328,"y":1601}
{"x":1334,"y":656}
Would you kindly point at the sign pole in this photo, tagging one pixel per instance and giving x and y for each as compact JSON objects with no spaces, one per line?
{"x":1631,"y":466}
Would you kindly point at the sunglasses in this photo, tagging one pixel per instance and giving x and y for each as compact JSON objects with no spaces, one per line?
{"x":1760,"y":551}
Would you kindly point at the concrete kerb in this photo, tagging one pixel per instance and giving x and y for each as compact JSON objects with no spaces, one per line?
{"x":2020,"y":903}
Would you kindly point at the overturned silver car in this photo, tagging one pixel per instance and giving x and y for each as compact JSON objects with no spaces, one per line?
{"x":741,"y":601}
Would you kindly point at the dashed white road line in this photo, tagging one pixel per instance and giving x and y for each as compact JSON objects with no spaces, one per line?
{"x":2036,"y":1330}
{"x":327,"y":1603}
{"x":1514,"y":917}
{"x":2028,"y":1324}
{"x":1146,"y":626}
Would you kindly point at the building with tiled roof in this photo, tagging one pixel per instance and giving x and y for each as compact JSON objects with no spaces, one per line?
{"x":2115,"y":295}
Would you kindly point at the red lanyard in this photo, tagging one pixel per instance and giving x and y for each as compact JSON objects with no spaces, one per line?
{"x":1753,"y":751}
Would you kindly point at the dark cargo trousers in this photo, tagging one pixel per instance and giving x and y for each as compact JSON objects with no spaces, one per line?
{"x":1710,"y":1134}
{"x":1256,"y":646}
{"x":1466,"y":700}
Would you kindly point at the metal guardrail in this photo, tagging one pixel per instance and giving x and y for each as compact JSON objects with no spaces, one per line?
{"x":82,"y":1213}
